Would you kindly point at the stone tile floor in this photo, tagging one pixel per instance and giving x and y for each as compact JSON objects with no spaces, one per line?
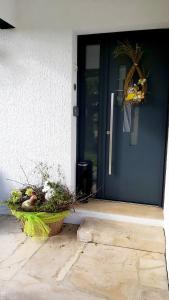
{"x":63,"y":268}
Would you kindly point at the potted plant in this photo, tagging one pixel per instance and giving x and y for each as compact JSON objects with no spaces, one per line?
{"x":41,"y":208}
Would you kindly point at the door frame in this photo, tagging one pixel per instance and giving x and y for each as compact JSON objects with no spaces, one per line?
{"x":83,"y":40}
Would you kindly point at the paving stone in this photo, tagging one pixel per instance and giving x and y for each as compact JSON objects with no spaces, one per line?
{"x":54,"y":256}
{"x":14,"y":262}
{"x":152,"y":270}
{"x":115,"y":273}
{"x":65,"y":269}
{"x":152,"y":294}
{"x":121,"y":234}
{"x":9,"y":243}
{"x":155,"y":277}
{"x":41,"y":290}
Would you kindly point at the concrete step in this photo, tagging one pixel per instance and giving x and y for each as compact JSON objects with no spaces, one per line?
{"x":117,"y":211}
{"x":120,"y":234}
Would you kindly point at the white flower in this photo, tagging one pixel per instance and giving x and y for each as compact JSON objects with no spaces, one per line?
{"x":49,"y":194}
{"x":46,"y":187}
{"x":47,"y":190}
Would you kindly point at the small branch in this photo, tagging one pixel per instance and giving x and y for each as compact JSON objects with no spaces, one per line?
{"x":16,"y":181}
{"x":24,"y":174}
{"x":24,"y":184}
{"x":90,"y":195}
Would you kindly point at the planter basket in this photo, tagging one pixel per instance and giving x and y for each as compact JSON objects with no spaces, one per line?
{"x":55,"y":228}
{"x":41,"y":225}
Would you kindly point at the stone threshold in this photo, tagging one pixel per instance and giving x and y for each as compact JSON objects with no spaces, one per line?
{"x":117,"y":211}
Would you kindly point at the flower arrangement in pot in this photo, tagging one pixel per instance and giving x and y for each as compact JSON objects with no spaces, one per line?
{"x":41,"y":208}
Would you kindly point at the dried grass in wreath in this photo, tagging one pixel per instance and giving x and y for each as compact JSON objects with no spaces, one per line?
{"x":135,"y":54}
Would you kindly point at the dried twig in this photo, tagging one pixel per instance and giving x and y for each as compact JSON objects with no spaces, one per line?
{"x":24,"y":184}
{"x":24,"y":174}
{"x":16,"y":181}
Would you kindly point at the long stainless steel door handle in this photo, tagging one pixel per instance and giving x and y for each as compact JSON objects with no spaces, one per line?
{"x":111,"y":133}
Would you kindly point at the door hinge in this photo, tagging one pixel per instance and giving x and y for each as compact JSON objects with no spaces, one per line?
{"x":75,"y":111}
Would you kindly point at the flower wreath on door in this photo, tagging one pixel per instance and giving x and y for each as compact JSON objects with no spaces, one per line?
{"x":134,"y":89}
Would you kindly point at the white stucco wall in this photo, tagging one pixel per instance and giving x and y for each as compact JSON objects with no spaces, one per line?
{"x":35,"y":101}
{"x":37,"y":72}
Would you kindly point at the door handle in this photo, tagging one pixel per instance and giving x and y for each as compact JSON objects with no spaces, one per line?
{"x":111,"y":132}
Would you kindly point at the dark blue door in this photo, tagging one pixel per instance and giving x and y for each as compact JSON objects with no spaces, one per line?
{"x":130,"y":161}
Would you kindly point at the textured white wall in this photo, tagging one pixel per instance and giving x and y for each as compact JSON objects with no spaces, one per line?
{"x":35,"y":102}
